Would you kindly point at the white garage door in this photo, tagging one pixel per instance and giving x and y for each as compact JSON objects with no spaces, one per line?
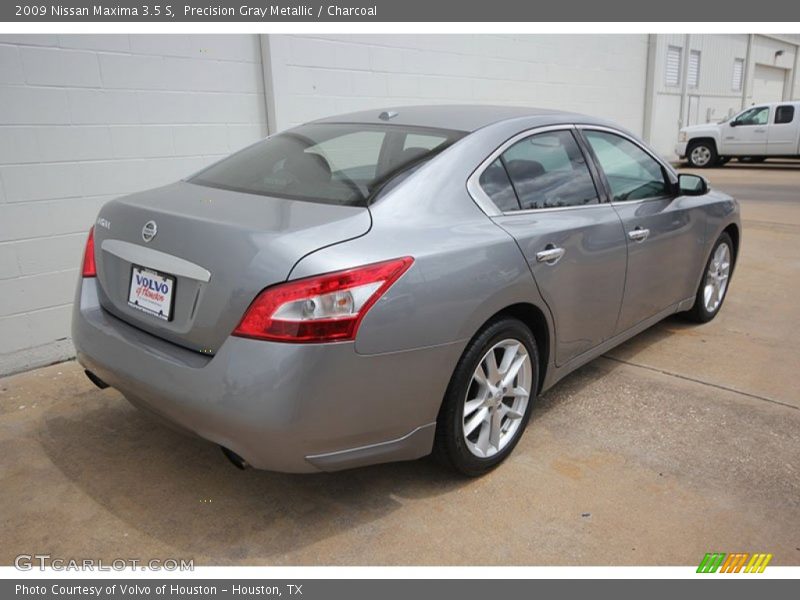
{"x":768,"y":83}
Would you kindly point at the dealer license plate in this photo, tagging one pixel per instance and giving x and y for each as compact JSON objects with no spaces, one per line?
{"x":151,"y":292}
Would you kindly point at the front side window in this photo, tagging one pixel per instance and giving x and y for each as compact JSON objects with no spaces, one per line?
{"x":784,"y":114}
{"x":548,"y":170}
{"x":631,"y":172}
{"x":758,"y":115}
{"x":331,"y":163}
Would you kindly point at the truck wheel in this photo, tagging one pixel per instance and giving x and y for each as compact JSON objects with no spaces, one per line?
{"x":702,"y":154}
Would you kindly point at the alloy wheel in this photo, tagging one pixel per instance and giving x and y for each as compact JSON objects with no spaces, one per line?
{"x":719,"y":270}
{"x":497,"y":398}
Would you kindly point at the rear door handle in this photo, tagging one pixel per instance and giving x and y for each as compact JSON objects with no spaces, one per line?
{"x":550,"y":255}
{"x":639,"y":234}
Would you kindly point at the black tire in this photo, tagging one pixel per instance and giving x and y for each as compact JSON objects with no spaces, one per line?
{"x":705,"y":149}
{"x":450,"y":447}
{"x":699,"y":313}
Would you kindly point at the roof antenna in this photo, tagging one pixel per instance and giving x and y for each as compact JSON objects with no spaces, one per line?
{"x":387,"y":114}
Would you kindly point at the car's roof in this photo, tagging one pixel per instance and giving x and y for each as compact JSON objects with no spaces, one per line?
{"x":458,"y":117}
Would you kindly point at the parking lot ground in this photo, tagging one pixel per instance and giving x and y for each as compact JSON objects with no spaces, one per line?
{"x":682,"y":441}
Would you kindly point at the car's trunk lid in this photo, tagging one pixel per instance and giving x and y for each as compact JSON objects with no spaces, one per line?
{"x":221,"y":247}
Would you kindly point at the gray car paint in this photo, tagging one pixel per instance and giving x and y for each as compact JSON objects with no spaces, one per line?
{"x":307,"y":407}
{"x":245,"y":241}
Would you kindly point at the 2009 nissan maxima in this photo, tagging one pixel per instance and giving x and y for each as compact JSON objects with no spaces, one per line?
{"x":380,"y":285}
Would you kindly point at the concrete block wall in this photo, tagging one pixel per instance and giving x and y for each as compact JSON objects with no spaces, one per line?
{"x":315,"y":76}
{"x":85,"y":118}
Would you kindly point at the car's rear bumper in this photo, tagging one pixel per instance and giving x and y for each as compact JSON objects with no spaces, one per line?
{"x":282,"y":407}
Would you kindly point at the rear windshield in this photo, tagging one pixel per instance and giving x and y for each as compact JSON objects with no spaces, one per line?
{"x":333,"y":163}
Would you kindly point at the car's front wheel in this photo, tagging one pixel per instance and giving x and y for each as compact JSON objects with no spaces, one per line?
{"x":714,"y":285}
{"x":489,"y":399}
{"x":702,"y":154}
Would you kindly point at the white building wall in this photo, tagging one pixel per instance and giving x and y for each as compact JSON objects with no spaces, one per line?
{"x":84,"y":119}
{"x":316,"y":76}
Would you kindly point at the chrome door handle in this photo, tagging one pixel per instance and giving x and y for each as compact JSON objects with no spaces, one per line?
{"x":550,"y":255}
{"x":639,"y":234}
{"x":760,"y":130}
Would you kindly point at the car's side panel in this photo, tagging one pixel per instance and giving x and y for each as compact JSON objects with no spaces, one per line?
{"x":665,"y":237}
{"x":583,"y":289}
{"x":464,"y":271}
{"x":720,"y":211}
{"x":660,"y":267}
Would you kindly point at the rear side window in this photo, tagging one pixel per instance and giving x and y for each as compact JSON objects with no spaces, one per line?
{"x":784,"y":114}
{"x":332,"y":163}
{"x":548,"y":170}
{"x":495,"y":182}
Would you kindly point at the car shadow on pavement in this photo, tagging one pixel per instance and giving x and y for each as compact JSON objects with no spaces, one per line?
{"x":181,"y":491}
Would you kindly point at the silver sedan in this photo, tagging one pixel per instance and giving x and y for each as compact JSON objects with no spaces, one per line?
{"x":381,"y":285}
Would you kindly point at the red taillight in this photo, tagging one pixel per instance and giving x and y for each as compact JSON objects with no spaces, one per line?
{"x":325,"y":308}
{"x":89,"y":266}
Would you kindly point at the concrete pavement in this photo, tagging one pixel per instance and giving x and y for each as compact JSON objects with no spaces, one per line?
{"x":684,"y":440}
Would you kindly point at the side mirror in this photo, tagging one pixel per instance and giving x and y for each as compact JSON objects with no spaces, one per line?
{"x":734,"y":123}
{"x":692,"y":185}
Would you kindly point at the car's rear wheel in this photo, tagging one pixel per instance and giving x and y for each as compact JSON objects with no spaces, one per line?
{"x":714,"y":285}
{"x":489,"y":399}
{"x":702,"y":154}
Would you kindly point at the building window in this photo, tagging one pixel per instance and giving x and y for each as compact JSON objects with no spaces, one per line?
{"x":738,"y":75}
{"x":673,"y":75}
{"x":693,"y":74}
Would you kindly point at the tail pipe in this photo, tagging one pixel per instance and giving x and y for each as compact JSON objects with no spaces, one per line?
{"x":237,"y":460}
{"x":95,"y":379}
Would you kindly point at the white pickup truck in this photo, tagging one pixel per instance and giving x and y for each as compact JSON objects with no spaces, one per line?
{"x":756,"y":133}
